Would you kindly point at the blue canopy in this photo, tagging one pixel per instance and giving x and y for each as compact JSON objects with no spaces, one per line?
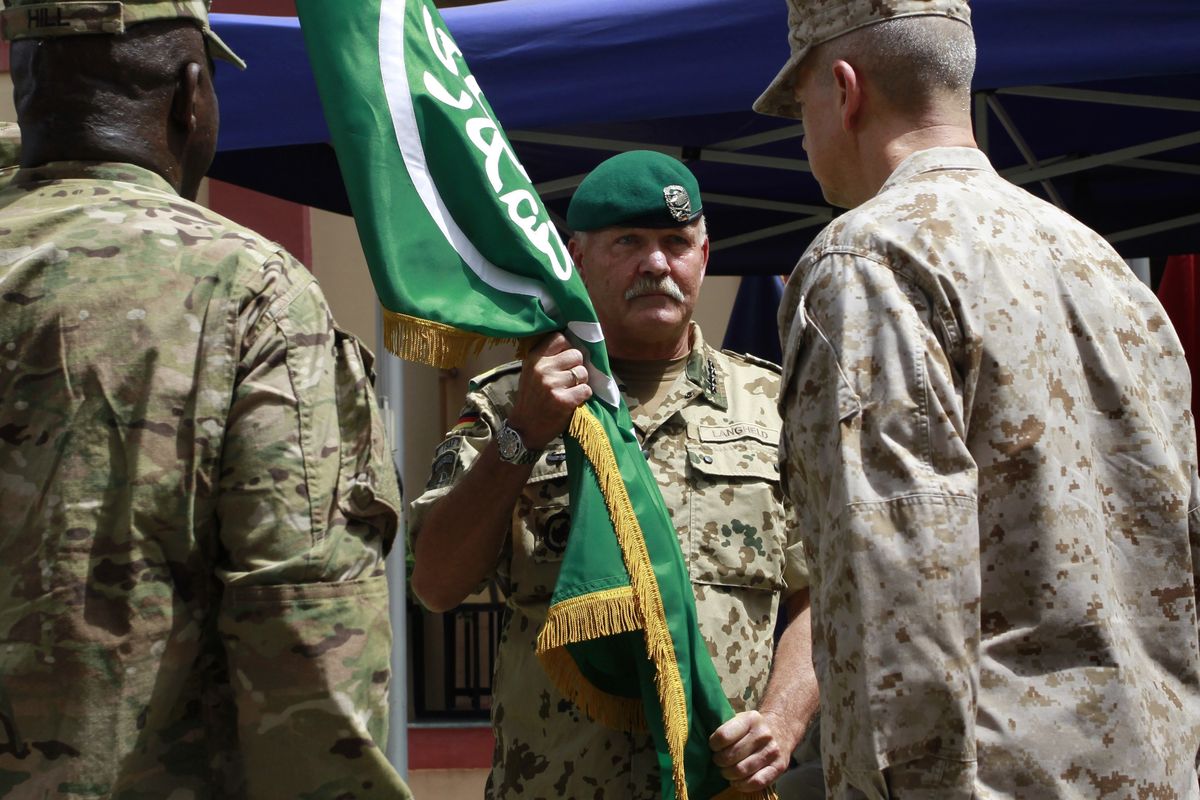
{"x":1093,"y":104}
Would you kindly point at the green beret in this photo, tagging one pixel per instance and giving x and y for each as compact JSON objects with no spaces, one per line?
{"x":637,"y":189}
{"x":41,"y":19}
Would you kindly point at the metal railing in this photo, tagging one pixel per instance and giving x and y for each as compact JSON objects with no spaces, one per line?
{"x":464,"y":661}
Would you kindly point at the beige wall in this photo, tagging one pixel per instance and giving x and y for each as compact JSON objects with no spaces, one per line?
{"x":448,"y":784}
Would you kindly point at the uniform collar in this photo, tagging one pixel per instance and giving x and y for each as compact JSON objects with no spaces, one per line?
{"x":705,"y":371}
{"x":91,"y":171}
{"x":935,"y":159}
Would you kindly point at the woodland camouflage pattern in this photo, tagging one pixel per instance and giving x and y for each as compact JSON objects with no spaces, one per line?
{"x":712,"y":444}
{"x":987,"y":437}
{"x":195,"y":500}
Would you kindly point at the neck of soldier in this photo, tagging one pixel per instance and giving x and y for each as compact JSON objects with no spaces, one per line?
{"x":676,"y":343}
{"x":99,"y":140}
{"x":885,"y":145}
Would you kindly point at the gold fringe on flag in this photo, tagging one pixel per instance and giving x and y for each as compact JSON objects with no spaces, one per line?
{"x":609,"y":710}
{"x":589,"y":616}
{"x":647,"y":601}
{"x":432,"y":343}
{"x":581,"y":619}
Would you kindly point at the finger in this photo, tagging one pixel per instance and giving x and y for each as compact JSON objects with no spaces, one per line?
{"x":578,"y":395}
{"x":563,"y":369}
{"x":567,"y":378}
{"x":550,"y":344}
{"x":757,"y":782}
{"x":758,"y":760}
{"x":563,"y":359}
{"x":732,"y":731}
{"x":555,"y":344}
{"x":751,"y":747}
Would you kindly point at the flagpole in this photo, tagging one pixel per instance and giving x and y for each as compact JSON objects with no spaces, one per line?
{"x":389,"y":389}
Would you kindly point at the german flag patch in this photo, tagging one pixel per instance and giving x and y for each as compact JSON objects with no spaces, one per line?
{"x":465,"y":422}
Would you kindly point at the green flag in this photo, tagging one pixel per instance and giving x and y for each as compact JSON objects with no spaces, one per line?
{"x":462,"y":253}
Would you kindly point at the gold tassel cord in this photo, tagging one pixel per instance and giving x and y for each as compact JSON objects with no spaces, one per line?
{"x":588,"y":431}
{"x":432,"y":343}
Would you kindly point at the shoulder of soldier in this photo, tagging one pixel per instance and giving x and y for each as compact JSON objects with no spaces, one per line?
{"x":497,"y":376}
{"x":753,"y":361}
{"x":751,"y":380}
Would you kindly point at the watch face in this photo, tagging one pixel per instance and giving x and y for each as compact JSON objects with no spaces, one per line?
{"x":508,"y":443}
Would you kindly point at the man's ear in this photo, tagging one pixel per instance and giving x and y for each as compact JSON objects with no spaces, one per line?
{"x":850,"y":94}
{"x":576,"y":254}
{"x":183,"y":104}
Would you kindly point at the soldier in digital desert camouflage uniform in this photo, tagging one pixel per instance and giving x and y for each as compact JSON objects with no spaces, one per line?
{"x":195,"y":495}
{"x":497,"y":501}
{"x":987,"y":434}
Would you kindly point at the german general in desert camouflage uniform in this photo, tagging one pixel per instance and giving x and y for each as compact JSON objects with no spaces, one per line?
{"x":988,"y":437}
{"x":497,"y":501}
{"x":195,"y":496}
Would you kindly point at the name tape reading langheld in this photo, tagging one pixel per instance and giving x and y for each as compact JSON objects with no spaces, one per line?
{"x":744,"y":430}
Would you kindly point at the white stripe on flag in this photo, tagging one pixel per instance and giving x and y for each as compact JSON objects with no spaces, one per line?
{"x":602,"y":384}
{"x":408,"y":139}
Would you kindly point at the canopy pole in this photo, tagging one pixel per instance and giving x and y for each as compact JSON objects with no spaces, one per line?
{"x":389,"y":388}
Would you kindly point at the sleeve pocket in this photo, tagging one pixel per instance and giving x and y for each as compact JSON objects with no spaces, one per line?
{"x":367,"y":490}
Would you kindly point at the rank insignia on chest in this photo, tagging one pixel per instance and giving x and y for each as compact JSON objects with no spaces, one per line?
{"x":710,"y":377}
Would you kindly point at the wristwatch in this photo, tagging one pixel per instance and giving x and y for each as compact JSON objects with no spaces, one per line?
{"x":512,"y":450}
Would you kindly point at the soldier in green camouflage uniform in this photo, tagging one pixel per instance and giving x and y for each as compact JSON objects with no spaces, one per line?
{"x":709,"y":428}
{"x":195,"y":491}
{"x":987,"y":433}
{"x":10,"y":151}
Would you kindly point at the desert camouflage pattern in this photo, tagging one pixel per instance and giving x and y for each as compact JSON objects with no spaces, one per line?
{"x":712,"y":444}
{"x":41,"y":19}
{"x":987,"y":437}
{"x":812,"y":22}
{"x":195,"y":501}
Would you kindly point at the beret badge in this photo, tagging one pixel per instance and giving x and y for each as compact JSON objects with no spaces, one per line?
{"x":678,"y":203}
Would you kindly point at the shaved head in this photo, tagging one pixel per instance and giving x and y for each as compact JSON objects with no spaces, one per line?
{"x":916,"y":62}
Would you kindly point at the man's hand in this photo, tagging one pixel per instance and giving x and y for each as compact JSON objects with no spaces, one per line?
{"x":749,"y":752}
{"x":553,"y":384}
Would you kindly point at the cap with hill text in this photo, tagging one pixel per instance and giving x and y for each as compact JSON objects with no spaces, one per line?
{"x":38,"y":19}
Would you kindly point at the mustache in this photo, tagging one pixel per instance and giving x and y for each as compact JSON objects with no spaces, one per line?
{"x":664,"y":285}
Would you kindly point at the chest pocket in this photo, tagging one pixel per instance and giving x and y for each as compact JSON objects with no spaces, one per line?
{"x":736,"y":532}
